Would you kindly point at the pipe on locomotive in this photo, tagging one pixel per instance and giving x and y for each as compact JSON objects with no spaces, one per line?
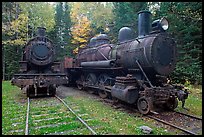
{"x":144,"y":26}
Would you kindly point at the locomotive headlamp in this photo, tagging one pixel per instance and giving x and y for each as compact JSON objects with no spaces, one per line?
{"x":164,"y":23}
{"x":160,"y":24}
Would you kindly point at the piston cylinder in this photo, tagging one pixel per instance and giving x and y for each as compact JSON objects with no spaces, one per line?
{"x":125,"y":93}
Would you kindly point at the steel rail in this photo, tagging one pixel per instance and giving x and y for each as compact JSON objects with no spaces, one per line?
{"x":27,"y":117}
{"x":188,"y":115}
{"x":167,"y":123}
{"x":81,"y":120}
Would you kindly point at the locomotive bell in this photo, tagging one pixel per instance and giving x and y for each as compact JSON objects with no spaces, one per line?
{"x":41,"y":31}
{"x":102,"y":39}
{"x":144,"y":26}
{"x":92,"y":42}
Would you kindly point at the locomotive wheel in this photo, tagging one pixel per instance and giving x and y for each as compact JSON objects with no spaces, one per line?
{"x":27,"y":91}
{"x":91,"y":80}
{"x":102,"y":81}
{"x":144,"y":105}
{"x":30,"y":91}
{"x":82,"y":79}
{"x":171,"y":104}
{"x":79,"y":86}
{"x":115,"y":100}
{"x":52,"y":90}
{"x":103,"y":94}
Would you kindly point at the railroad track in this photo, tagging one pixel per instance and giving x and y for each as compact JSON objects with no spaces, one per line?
{"x":184,"y":122}
{"x":55,"y":120}
{"x":185,"y":119}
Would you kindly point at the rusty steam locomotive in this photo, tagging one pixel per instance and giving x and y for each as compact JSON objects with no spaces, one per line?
{"x":39,"y":73}
{"x":134,"y":70}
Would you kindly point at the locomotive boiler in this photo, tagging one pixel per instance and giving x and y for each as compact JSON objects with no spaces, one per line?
{"x":39,"y":73}
{"x":134,"y":70}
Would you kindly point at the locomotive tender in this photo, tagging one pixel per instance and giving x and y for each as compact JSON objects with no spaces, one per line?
{"x":134,"y":70}
{"x":39,"y":73}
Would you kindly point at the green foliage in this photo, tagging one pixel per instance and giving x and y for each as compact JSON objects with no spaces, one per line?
{"x":62,"y":30}
{"x":98,"y":13}
{"x":125,"y":15}
{"x":14,"y":36}
{"x":40,"y":14}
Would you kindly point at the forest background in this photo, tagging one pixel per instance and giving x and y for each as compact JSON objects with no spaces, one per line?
{"x":70,"y":25}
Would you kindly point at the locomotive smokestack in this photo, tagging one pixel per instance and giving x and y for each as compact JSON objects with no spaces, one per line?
{"x":41,"y":31}
{"x":144,"y":25}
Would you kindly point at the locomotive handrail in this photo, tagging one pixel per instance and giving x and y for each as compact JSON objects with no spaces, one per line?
{"x":144,"y":73}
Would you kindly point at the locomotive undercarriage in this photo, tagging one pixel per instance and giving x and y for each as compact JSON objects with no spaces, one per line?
{"x":129,"y":89}
{"x":39,"y":84}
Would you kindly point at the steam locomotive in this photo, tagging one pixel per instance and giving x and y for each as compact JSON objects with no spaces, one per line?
{"x":134,"y":70}
{"x":39,"y":73}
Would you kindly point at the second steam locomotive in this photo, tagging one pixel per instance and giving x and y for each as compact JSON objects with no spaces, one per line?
{"x":39,"y":73}
{"x":135,"y":70}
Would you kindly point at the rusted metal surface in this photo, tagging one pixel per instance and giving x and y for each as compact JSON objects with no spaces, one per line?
{"x":149,"y":59}
{"x":124,"y":89}
{"x":56,"y":67}
{"x":145,"y":104}
{"x":94,"y":54}
{"x":156,"y":53}
{"x":195,"y":117}
{"x":165,"y":122}
{"x":38,"y":70}
{"x":100,"y":64}
{"x":39,"y":50}
{"x":144,"y":23}
{"x":23,"y":66}
{"x":68,"y":62}
{"x":39,"y":80}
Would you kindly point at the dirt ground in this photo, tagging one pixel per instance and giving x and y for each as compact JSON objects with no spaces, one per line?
{"x":64,"y":91}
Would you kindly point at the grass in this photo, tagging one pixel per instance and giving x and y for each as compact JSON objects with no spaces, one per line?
{"x":112,"y":121}
{"x":13,"y":109}
{"x":103,"y":118}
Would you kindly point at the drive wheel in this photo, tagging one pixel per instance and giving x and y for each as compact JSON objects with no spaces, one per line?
{"x":103,"y":94}
{"x":27,"y":91}
{"x":102,"y":81}
{"x":91,"y":81}
{"x":143,"y":105}
{"x":115,"y":100}
{"x":30,"y":91}
{"x":81,"y":81}
{"x":171,"y":104}
{"x":52,"y":90}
